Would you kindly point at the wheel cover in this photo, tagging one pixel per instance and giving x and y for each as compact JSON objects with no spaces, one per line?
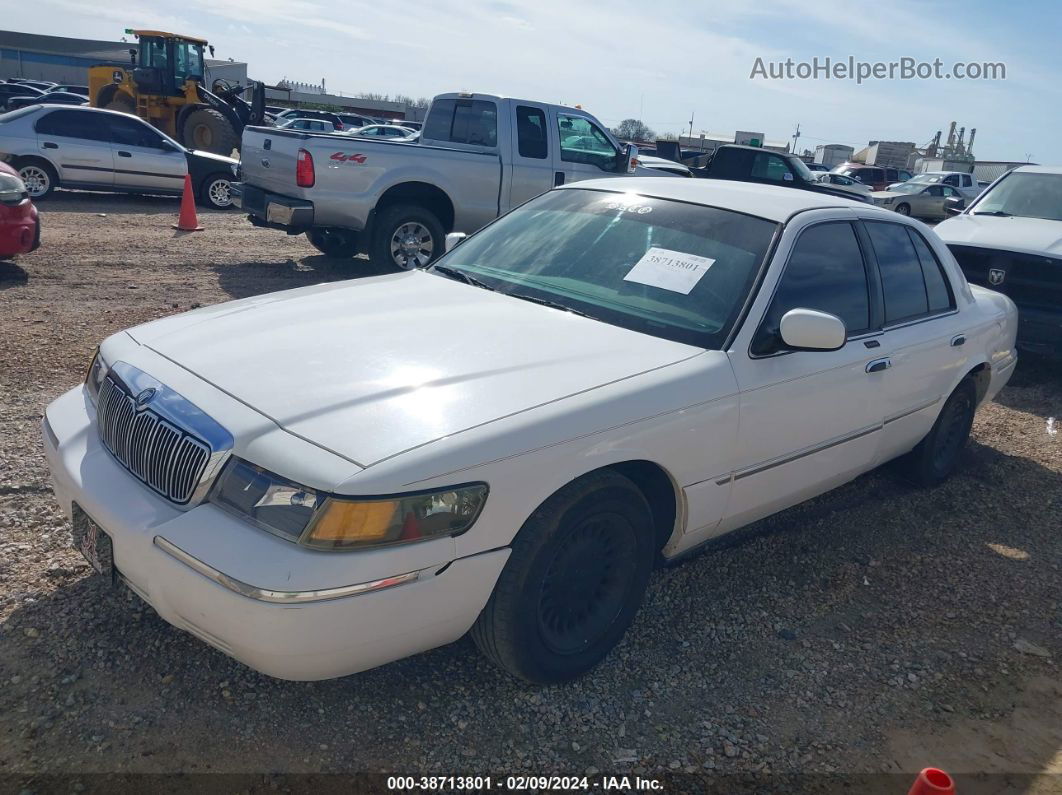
{"x":587,"y":583}
{"x":36,"y":180}
{"x":903,"y":209}
{"x":219,"y":193}
{"x":412,"y":245}
{"x":952,"y":432}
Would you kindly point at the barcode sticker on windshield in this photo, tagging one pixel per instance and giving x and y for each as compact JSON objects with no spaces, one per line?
{"x":676,"y":271}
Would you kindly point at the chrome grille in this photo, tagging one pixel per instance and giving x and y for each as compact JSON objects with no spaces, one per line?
{"x":165,"y":457}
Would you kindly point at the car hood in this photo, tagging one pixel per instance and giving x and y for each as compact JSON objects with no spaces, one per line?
{"x":1027,"y":235}
{"x":371,"y":368}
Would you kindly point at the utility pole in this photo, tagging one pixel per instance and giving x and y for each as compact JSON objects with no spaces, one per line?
{"x":692,"y":112}
{"x":796,"y":135}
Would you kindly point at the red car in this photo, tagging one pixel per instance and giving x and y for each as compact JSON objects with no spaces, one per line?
{"x":20,"y":228}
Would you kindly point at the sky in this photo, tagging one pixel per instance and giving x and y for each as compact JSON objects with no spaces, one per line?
{"x":663,"y":62}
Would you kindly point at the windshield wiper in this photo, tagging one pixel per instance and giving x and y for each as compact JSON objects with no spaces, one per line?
{"x":999,"y":213}
{"x":454,"y":273}
{"x":551,"y":304}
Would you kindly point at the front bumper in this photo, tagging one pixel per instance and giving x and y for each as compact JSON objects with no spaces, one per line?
{"x":19,"y":229}
{"x":297,"y":631}
{"x":1040,"y":331}
{"x":272,"y":210}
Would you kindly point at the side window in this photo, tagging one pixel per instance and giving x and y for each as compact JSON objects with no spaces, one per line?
{"x":127,"y":131}
{"x":901,"y":272}
{"x":531,"y":132}
{"x":938,"y":291}
{"x":770,"y":167}
{"x":934,"y":190}
{"x":72,"y":124}
{"x":824,"y":272}
{"x":581,"y":141}
{"x":951,"y":179}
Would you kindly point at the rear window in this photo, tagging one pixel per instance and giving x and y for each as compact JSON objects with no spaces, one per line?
{"x":463,"y":121}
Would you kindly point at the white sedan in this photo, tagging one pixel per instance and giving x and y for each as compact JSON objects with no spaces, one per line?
{"x":326,"y":479}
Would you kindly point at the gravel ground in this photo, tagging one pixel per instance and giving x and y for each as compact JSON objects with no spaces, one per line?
{"x":878,"y":629}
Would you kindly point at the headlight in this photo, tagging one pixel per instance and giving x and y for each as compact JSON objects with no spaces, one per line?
{"x":324,"y":521}
{"x":94,"y":377}
{"x":12,"y":189}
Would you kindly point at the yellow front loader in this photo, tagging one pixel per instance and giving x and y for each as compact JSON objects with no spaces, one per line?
{"x":164,"y":85}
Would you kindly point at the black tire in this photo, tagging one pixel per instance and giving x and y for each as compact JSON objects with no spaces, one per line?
{"x":39,"y":176}
{"x":937,"y":455}
{"x":903,"y":208}
{"x":334,"y":242}
{"x":573,"y":583}
{"x":425,"y":237}
{"x":208,"y":130}
{"x":214,"y":191}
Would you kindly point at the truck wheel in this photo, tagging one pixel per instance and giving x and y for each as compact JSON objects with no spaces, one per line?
{"x":214,"y":191}
{"x":937,"y":455}
{"x":334,"y":242}
{"x":903,"y":209}
{"x":207,"y":129}
{"x":407,"y":236}
{"x":578,"y":569}
{"x":39,"y":176}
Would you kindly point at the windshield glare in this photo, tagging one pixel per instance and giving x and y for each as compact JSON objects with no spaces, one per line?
{"x":665,"y":268}
{"x":1025,"y":194}
{"x":909,"y":187}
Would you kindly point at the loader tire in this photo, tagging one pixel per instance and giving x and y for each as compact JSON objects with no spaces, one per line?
{"x":208,"y":130}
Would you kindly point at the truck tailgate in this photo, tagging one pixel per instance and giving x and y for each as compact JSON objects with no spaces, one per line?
{"x":267,"y":160}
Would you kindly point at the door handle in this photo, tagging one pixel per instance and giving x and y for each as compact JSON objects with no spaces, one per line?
{"x":50,"y":145}
{"x":879,"y":365}
{"x":124,"y":154}
{"x":958,"y":340}
{"x":558,"y":178}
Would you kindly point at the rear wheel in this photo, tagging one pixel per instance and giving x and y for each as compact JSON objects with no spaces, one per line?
{"x":407,"y":236}
{"x":208,"y":130}
{"x":334,"y":242}
{"x":40,"y":178}
{"x":937,"y":455}
{"x":573,"y":583}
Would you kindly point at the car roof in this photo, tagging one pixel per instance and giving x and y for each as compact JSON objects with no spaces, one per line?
{"x":775,"y":203}
{"x":1039,"y":169}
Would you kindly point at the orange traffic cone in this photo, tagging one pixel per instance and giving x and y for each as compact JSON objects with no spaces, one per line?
{"x":932,"y":781}
{"x":187,"y":221}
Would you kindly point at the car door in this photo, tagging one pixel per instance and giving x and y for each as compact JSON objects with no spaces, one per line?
{"x":78,"y":145}
{"x":922,"y":339}
{"x":143,"y":159}
{"x":532,"y":162}
{"x":586,"y":152}
{"x":809,"y":420}
{"x":930,"y":202}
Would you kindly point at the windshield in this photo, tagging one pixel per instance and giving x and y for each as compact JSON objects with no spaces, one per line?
{"x":665,"y":268}
{"x":930,"y":179}
{"x":188,"y":61}
{"x":911,"y":186}
{"x":1025,"y":194}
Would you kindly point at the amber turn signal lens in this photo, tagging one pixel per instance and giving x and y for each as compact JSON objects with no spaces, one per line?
{"x":354,"y":522}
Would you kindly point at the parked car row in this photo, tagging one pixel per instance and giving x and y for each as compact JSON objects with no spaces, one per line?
{"x":18,"y":93}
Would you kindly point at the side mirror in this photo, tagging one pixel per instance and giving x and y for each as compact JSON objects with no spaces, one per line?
{"x":454,"y":239}
{"x":812,"y":330}
{"x":954,"y":206}
{"x":628,"y":159}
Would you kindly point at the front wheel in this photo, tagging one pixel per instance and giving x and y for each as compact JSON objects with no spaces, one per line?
{"x":215,"y":192}
{"x":937,"y":455}
{"x":39,"y":178}
{"x":903,"y":209}
{"x":334,"y":242}
{"x":407,"y":237}
{"x":573,"y":583}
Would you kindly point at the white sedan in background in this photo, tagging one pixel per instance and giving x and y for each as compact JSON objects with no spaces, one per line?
{"x":841,"y":182}
{"x":322,"y":480}
{"x":393,"y":132}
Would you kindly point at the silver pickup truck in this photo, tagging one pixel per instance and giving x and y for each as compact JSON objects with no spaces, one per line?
{"x":477,"y":157}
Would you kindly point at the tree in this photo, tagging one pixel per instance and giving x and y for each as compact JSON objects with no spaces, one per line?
{"x":633,"y":130}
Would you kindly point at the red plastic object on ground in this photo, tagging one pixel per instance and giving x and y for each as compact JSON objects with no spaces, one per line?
{"x":19,"y":224}
{"x":932,"y":781}
{"x":187,"y":221}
